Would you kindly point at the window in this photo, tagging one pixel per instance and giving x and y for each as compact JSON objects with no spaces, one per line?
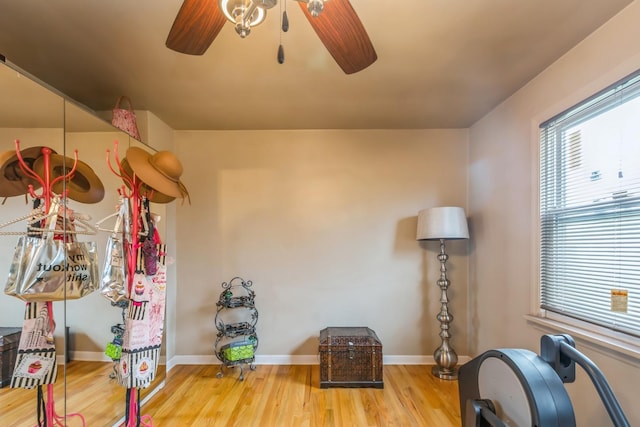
{"x":590,"y":210}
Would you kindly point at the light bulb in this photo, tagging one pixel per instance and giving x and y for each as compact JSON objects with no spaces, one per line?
{"x":265,"y":4}
{"x":315,"y":7}
{"x":244,"y":13}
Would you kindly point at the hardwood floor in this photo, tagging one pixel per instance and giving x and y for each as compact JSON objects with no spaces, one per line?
{"x":90,"y":393}
{"x":290,"y":396}
{"x":270,"y":396}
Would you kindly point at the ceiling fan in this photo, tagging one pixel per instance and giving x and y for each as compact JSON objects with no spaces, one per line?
{"x":335,"y":22}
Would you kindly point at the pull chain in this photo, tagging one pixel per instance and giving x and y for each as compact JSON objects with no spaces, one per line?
{"x":284,"y":27}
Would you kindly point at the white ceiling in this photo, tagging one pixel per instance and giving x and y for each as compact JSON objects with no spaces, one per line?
{"x":441,"y":63}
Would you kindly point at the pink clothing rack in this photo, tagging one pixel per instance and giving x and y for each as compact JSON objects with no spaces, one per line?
{"x":133,"y":418}
{"x":52,"y":418}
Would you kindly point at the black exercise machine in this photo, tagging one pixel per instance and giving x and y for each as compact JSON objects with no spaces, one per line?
{"x":516,"y":387}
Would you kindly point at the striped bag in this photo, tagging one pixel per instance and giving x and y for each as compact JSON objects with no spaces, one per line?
{"x":36,"y":361}
{"x":142,"y":338}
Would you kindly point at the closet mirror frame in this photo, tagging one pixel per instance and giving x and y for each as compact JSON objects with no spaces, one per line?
{"x":73,"y":126}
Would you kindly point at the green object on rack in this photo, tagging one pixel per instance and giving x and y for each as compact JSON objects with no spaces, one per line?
{"x":114,"y":351}
{"x":238,"y":351}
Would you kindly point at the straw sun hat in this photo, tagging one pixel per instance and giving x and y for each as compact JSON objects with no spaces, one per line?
{"x":160,"y":171}
{"x":84,"y":186}
{"x":152,"y":194}
{"x":13,"y":182}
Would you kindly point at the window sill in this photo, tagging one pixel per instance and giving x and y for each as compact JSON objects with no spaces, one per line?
{"x":613,"y":344}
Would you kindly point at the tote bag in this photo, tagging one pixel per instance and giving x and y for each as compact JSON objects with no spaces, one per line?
{"x":47,"y":269}
{"x":36,"y":360}
{"x":125,"y":118}
{"x":113,"y":283}
{"x":144,"y":324}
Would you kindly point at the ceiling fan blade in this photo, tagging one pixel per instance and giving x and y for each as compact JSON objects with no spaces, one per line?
{"x":343,"y":34}
{"x":196,"y":26}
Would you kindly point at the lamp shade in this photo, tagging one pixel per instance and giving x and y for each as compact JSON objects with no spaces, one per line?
{"x":442,"y":223}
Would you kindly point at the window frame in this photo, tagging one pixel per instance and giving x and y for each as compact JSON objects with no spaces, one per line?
{"x":546,"y":320}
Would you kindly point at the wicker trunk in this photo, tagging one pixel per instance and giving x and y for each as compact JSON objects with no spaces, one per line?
{"x":9,"y":340}
{"x":350,"y":357}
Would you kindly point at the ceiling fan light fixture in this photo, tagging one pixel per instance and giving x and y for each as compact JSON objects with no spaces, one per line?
{"x":315,"y":7}
{"x":265,"y":4}
{"x":338,"y":27}
{"x":245,"y":14}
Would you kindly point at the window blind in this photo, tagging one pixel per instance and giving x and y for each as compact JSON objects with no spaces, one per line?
{"x":590,"y":209}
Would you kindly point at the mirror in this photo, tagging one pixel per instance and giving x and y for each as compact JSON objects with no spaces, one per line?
{"x":37,"y":115}
{"x":90,"y":319}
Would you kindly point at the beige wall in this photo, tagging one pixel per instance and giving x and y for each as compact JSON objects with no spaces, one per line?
{"x":323,"y":223}
{"x":502,"y":202}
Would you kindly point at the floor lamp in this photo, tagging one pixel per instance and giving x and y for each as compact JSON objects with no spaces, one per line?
{"x":443,"y":223}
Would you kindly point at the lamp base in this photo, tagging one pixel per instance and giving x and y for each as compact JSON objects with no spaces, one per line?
{"x":445,"y":374}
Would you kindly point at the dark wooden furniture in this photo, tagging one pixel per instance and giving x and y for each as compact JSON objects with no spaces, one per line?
{"x":350,"y":357}
{"x":9,"y":339}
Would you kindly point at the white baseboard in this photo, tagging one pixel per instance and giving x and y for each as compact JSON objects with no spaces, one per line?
{"x":89,"y":356}
{"x":94,"y":356}
{"x":311,"y":359}
{"x":303,"y":360}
